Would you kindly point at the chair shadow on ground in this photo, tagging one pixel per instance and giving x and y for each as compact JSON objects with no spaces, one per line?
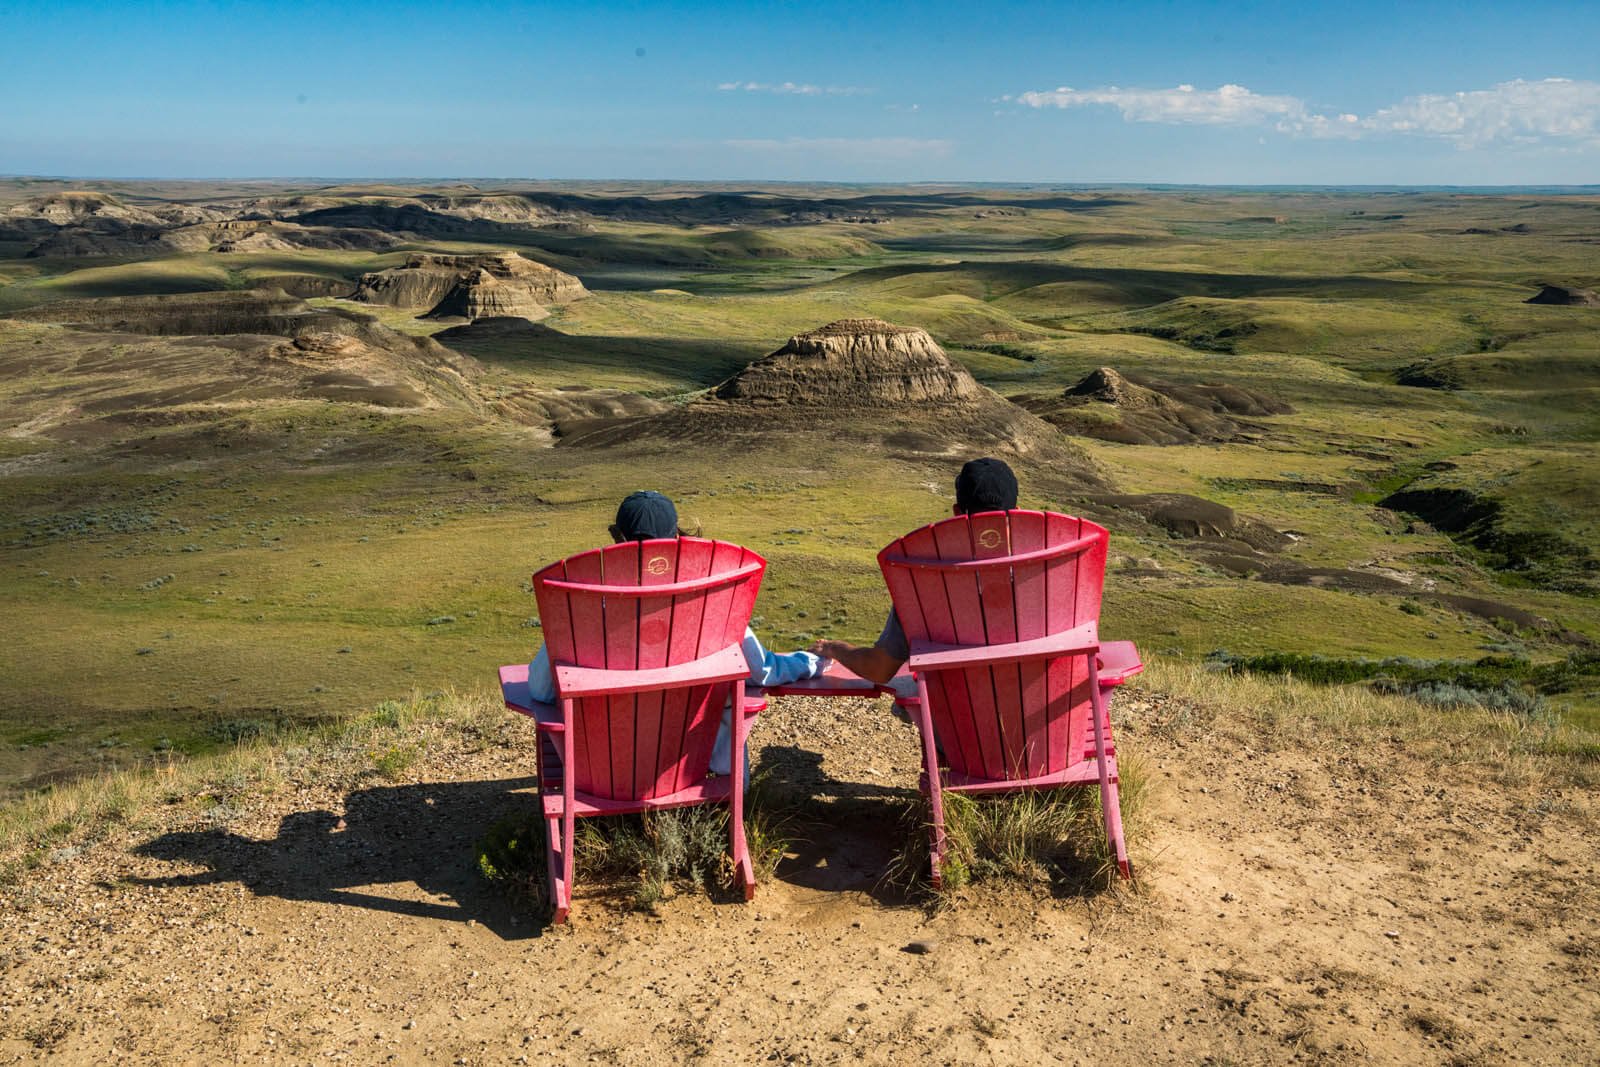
{"x":843,"y":836}
{"x":848,"y":836}
{"x":393,"y":837}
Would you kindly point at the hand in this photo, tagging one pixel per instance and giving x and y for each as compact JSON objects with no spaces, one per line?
{"x":830,"y":649}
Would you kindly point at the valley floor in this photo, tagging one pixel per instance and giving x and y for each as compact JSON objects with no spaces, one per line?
{"x":1338,"y":901}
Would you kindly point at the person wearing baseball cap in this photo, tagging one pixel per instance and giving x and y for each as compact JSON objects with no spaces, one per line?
{"x":649,"y":516}
{"x":985,"y":484}
{"x":645,"y":516}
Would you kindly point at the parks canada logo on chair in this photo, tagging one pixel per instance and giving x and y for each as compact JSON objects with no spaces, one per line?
{"x":657,"y":565}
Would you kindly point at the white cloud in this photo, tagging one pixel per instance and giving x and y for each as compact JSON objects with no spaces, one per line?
{"x":853,"y":147}
{"x":1555,"y":108}
{"x":1228,"y":105}
{"x":1558,"y":109}
{"x":792,"y":89}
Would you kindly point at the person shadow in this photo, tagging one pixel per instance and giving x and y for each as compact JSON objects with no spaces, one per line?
{"x":407,"y":850}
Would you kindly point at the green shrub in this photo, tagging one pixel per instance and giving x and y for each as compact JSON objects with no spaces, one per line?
{"x":511,"y":856}
{"x":393,"y":761}
{"x":235,"y":731}
{"x":1505,"y":682}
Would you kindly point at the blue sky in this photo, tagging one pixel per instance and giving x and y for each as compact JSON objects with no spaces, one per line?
{"x":1355,"y":92}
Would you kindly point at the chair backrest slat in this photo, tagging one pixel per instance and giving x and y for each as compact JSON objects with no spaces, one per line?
{"x":588,"y":614}
{"x":719,"y":601}
{"x":644,"y":743}
{"x":1028,"y":589}
{"x":555,"y":616}
{"x":1025,"y":574}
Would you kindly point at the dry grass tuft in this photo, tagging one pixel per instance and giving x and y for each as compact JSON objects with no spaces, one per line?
{"x":1033,"y":837}
{"x":650,"y":856}
{"x":1347,"y":720}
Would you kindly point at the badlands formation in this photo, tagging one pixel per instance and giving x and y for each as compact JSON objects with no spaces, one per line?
{"x":871,"y":384}
{"x":498,"y":285}
{"x":95,"y":368}
{"x":1108,"y":405}
{"x":855,"y":363}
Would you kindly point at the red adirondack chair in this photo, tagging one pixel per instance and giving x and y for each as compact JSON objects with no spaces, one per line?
{"x":1001,"y":610}
{"x":644,"y":640}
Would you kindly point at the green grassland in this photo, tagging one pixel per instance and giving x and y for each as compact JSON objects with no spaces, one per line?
{"x":306,"y":559}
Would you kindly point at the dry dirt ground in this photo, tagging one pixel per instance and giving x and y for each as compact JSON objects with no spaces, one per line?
{"x":1330,"y":903}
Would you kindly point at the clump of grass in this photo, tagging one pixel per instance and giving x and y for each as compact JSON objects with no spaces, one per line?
{"x":1050,"y":837}
{"x":234,"y":731}
{"x":1266,"y":712}
{"x":394,"y":761}
{"x":511,"y":855}
{"x":683,"y":847}
{"x":653,"y":855}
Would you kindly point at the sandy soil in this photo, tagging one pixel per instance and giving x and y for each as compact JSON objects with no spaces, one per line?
{"x":1293,"y":905}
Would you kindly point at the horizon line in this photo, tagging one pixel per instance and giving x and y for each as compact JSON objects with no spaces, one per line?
{"x":863,"y":182}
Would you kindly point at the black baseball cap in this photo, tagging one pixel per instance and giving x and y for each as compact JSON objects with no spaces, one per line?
{"x":646,"y":516}
{"x":985,"y":485}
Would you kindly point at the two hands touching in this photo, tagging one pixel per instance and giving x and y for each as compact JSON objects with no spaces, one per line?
{"x":869,"y":662}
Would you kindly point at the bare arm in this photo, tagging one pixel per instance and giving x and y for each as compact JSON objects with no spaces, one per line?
{"x":869,"y":662}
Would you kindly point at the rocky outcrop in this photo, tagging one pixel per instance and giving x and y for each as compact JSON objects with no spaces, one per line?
{"x":482,"y":295}
{"x":499,"y":284}
{"x":1563,"y":296}
{"x":854,"y":363}
{"x":1110,"y":406}
{"x":506,"y":208}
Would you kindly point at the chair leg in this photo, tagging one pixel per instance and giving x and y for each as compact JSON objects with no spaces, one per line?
{"x":1111,"y":803}
{"x":930,"y":763}
{"x":744,"y":870}
{"x":556,"y":854}
{"x":1110,"y":800}
{"x":561,"y":882}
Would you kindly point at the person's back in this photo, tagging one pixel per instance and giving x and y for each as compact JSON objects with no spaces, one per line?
{"x":985,"y":484}
{"x":650,"y":516}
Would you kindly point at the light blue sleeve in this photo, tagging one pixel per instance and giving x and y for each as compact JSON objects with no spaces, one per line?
{"x":541,"y":679}
{"x":772,"y":668}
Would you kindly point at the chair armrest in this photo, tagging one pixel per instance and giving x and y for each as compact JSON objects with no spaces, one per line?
{"x":836,"y":681}
{"x":927,"y":656}
{"x":514,"y":691}
{"x":725,"y":666}
{"x":1119,"y":661}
